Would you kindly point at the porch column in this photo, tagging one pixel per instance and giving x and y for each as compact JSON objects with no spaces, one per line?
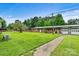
{"x":69,"y":30}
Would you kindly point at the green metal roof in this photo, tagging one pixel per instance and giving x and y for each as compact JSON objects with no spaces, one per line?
{"x":62,"y":26}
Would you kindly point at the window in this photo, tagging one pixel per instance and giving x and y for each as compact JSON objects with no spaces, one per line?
{"x":78,"y":30}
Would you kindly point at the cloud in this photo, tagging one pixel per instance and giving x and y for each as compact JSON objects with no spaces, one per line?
{"x":71,"y":14}
{"x":9,"y":16}
{"x":11,"y":19}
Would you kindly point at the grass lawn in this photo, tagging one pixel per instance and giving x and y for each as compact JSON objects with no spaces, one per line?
{"x":69,"y":47}
{"x":23,"y":43}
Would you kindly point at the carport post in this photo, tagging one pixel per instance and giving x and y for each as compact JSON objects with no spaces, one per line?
{"x":69,"y":30}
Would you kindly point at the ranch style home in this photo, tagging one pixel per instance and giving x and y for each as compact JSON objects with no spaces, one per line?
{"x":63,"y":29}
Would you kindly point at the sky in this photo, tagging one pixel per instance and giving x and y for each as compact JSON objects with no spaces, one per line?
{"x":13,"y":11}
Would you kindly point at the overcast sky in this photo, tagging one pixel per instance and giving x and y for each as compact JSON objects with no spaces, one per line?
{"x":12,"y":11}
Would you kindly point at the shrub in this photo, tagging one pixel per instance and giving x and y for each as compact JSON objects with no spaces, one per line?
{"x":1,"y":36}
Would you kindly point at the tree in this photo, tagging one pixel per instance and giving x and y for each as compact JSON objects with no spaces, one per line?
{"x":40,"y":22}
{"x":26,"y":22}
{"x":10,"y":26}
{"x":2,"y":23}
{"x":73,"y":21}
{"x":44,"y":21}
{"x":34,"y":21}
{"x":18,"y":26}
{"x":51,"y":22}
{"x":59,"y":20}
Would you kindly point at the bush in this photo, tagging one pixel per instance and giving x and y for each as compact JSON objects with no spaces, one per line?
{"x":1,"y":36}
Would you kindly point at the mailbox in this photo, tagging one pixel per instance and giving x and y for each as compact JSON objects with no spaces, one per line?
{"x":5,"y":37}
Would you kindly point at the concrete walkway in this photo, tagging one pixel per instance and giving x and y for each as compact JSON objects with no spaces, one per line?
{"x":49,"y":47}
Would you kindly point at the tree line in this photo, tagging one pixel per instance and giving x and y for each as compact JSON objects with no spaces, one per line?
{"x":73,"y":21}
{"x":45,"y":21}
{"x":52,"y":20}
{"x":37,"y":22}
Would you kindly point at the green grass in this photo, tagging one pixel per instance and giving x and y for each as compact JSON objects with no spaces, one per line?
{"x":69,"y":47}
{"x":23,"y":43}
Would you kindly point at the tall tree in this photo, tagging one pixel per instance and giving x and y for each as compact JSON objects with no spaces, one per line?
{"x":2,"y":23}
{"x":10,"y":26}
{"x":18,"y":25}
{"x":40,"y":22}
{"x":59,"y":20}
{"x":73,"y":21}
{"x":34,"y":21}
